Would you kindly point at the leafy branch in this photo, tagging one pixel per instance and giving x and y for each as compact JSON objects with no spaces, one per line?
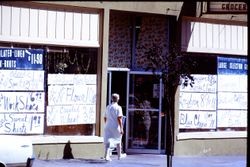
{"x":175,"y":70}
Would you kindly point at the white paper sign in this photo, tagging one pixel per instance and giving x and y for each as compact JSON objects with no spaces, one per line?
{"x":72,"y":79}
{"x":202,"y":83}
{"x":197,"y":120}
{"x":71,"y":94}
{"x":232,"y":83}
{"x":21,"y":123}
{"x":21,"y":80}
{"x":71,"y":115}
{"x":197,"y":101}
{"x":231,"y":100}
{"x":223,"y":94}
{"x":71,"y":99}
{"x":232,"y":118}
{"x":21,"y":102}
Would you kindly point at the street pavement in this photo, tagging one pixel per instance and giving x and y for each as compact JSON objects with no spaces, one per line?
{"x":148,"y":160}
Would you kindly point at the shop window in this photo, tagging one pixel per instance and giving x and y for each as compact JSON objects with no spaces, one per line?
{"x":47,"y":90}
{"x":71,"y":91}
{"x":21,"y":90}
{"x":218,"y":99}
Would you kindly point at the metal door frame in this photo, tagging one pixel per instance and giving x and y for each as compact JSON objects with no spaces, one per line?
{"x":110,"y":70}
{"x":131,"y":150}
{"x":109,"y":91}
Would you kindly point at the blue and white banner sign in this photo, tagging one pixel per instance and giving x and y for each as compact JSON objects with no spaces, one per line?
{"x":232,"y":65}
{"x":15,"y":59}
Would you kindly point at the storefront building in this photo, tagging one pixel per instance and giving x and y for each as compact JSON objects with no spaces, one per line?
{"x":212,"y":116}
{"x":49,"y":75}
{"x":60,"y":62}
{"x":55,"y":60}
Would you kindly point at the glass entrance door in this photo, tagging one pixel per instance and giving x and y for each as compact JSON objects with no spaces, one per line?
{"x":117,"y":83}
{"x":143,"y":113}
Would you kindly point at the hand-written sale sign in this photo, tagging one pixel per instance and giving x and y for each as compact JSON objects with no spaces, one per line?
{"x":20,"y":102}
{"x":197,"y":119}
{"x":71,"y":94}
{"x":71,"y":101}
{"x":232,"y":118}
{"x":11,"y":123}
{"x":198,"y":104}
{"x":71,"y":114}
{"x":21,"y":80}
{"x":197,"y":101}
{"x":69,"y":79}
{"x":202,"y":83}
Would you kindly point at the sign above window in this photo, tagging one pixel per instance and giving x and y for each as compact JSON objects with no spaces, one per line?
{"x":227,"y":7}
{"x":21,"y":59}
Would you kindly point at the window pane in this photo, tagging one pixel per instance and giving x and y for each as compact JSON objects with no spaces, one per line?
{"x":218,"y":99}
{"x":71,"y":88}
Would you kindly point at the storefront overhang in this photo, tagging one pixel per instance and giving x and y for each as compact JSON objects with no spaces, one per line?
{"x":214,"y":36}
{"x":157,"y":7}
{"x":50,"y":27}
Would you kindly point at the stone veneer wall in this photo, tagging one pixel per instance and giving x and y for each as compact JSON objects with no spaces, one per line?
{"x":154,"y":29}
{"x":120,"y":41}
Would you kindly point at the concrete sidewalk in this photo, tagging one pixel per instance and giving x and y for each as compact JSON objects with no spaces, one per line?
{"x":210,"y":161}
{"x":148,"y":160}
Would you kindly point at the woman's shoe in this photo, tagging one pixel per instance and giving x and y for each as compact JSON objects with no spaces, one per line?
{"x":123,"y":155}
{"x":108,"y":159}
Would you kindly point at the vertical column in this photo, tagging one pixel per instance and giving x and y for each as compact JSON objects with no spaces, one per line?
{"x":102,"y":68}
